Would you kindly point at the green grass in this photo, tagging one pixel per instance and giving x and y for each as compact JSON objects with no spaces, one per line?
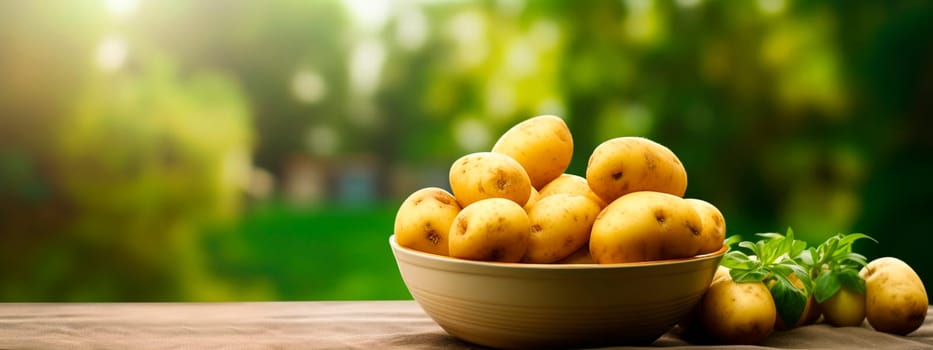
{"x":324,"y":253}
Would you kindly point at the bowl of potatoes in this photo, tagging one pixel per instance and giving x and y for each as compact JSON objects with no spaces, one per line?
{"x":521,"y":254}
{"x":520,"y":305}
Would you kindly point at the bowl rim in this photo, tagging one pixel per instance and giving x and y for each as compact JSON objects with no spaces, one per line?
{"x":538,"y":266}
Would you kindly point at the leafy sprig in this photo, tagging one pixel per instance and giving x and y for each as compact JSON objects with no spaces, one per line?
{"x":833,"y":265}
{"x":773,"y":260}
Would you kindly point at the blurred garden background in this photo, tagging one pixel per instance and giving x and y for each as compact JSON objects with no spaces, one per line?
{"x":217,"y":150}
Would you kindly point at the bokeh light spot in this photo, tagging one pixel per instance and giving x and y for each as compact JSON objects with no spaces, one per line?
{"x":308,"y":86}
{"x":111,"y":53}
{"x":471,"y":134}
{"x":366,"y":66}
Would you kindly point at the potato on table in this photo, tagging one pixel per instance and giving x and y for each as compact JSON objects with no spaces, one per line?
{"x":846,"y":308}
{"x":423,"y":220}
{"x":484,"y":175}
{"x":629,"y":164}
{"x":896,"y":301}
{"x":560,"y":225}
{"x":493,"y":229}
{"x":542,"y":145}
{"x":643,"y":226}
{"x":737,"y":313}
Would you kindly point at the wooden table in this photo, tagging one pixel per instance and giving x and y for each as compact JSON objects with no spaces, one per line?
{"x":313,"y":325}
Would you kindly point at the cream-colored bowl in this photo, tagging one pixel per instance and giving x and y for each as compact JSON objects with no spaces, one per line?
{"x":512,"y":305}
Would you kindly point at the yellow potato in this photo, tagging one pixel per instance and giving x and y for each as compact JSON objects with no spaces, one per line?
{"x":424,"y":218}
{"x":629,"y":164}
{"x":737,"y":313}
{"x":896,"y":301}
{"x":542,"y":145}
{"x":581,"y":256}
{"x":532,"y":199}
{"x":571,"y":184}
{"x":846,"y":308}
{"x":484,"y":175}
{"x":493,"y":229}
{"x":721,"y":272}
{"x":560,"y":225}
{"x":714,"y":226}
{"x":643,"y":226}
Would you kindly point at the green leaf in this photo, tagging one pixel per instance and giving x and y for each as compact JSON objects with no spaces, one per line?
{"x":738,"y":260}
{"x":762,"y":251}
{"x":851,"y":280}
{"x":797,"y":248}
{"x":781,"y":269}
{"x":731,"y":240}
{"x":856,"y":258}
{"x":750,"y":246}
{"x":826,"y":285}
{"x":852,"y":237}
{"x":755,"y":275}
{"x":770,"y":235}
{"x":806,"y":258}
{"x":789,"y":300}
{"x":831,"y":244}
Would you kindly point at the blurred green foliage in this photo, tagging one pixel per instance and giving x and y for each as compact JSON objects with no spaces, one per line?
{"x":257,"y":150}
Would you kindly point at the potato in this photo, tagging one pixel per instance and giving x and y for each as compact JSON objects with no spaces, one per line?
{"x":493,"y":229}
{"x":896,"y":301}
{"x":484,"y":175}
{"x":571,"y":184}
{"x":532,"y":199}
{"x":629,"y":164}
{"x":542,"y":145}
{"x":714,"y":226}
{"x":581,"y":256}
{"x":424,"y":218}
{"x":560,"y":225}
{"x":846,"y":308}
{"x":737,"y":313}
{"x":643,"y":226}
{"x":721,"y":272}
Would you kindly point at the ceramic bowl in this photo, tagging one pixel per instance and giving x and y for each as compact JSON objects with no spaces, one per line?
{"x":517,"y":305}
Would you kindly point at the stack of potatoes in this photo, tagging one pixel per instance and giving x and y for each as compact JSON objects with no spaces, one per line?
{"x":517,"y":204}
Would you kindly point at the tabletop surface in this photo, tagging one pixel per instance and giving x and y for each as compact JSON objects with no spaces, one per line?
{"x":316,"y":325}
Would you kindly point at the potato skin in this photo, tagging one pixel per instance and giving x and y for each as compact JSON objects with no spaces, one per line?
{"x":532,"y":199}
{"x":492,"y":229}
{"x":895,"y":299}
{"x":542,"y":145}
{"x":737,"y":313}
{"x":846,"y":308}
{"x":629,"y":164}
{"x":644,"y":226}
{"x":581,"y":256}
{"x":560,"y":225}
{"x":714,"y":226}
{"x":571,"y":184}
{"x":423,"y":220}
{"x":482,"y":175}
